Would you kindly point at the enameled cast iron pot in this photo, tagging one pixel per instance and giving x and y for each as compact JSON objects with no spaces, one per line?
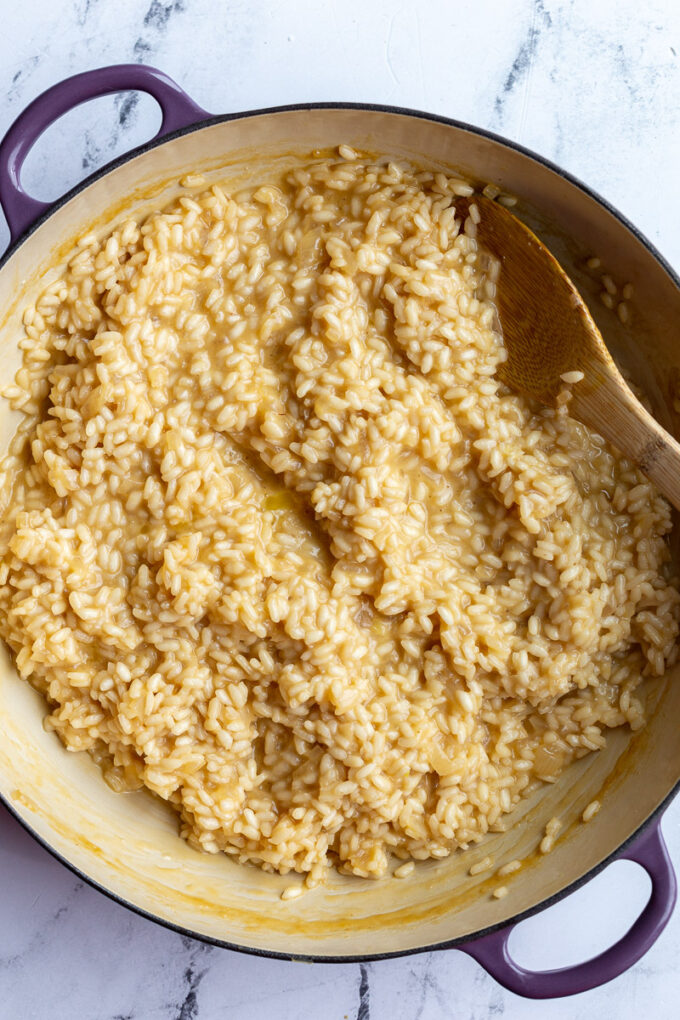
{"x":127,"y":845}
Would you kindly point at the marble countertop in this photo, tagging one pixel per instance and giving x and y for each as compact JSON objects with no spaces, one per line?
{"x":591,"y":84}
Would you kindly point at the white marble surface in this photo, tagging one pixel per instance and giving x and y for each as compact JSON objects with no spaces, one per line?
{"x":593,"y":84}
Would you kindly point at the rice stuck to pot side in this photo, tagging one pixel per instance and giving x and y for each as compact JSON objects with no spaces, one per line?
{"x":279,"y":546}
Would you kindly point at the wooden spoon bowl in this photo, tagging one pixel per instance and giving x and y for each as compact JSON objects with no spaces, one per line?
{"x":548,"y":332}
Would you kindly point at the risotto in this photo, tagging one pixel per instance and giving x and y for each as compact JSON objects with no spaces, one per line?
{"x":279,"y":546}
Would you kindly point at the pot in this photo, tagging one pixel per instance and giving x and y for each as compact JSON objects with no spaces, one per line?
{"x":127,"y":845}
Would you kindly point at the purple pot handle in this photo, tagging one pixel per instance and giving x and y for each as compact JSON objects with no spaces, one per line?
{"x":177,"y":108}
{"x":491,"y":951}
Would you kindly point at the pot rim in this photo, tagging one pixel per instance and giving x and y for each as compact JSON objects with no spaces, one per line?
{"x":655,"y":816}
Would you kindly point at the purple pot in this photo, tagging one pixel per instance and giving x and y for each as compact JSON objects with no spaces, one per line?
{"x":551,"y":201}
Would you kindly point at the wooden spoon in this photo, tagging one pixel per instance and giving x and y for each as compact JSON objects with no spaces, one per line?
{"x":548,"y":331}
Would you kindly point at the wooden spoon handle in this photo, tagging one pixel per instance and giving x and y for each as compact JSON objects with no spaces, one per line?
{"x":604,"y":402}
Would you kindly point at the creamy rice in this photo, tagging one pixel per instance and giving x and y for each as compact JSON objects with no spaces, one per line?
{"x":279,"y":546}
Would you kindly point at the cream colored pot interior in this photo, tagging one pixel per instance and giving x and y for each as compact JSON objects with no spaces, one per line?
{"x":128,"y":843}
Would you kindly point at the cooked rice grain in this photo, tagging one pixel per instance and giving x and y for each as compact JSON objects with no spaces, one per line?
{"x":509,"y":868}
{"x":481,"y":866}
{"x":591,"y":810}
{"x":404,"y":870}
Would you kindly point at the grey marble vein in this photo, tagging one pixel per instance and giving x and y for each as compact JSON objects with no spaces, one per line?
{"x":364,"y":1008}
{"x":84,"y":10}
{"x":540,"y":21}
{"x":155,"y":24}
